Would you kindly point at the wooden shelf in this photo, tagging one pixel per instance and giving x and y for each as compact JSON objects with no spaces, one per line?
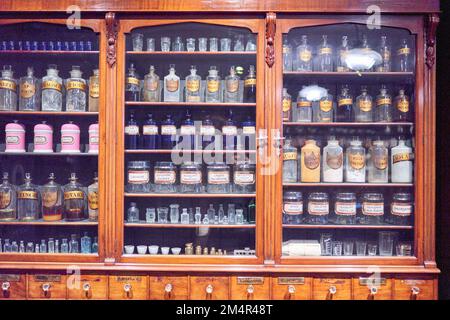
{"x":190,"y":195}
{"x":163,"y":151}
{"x":292,"y":77}
{"x":189,"y":226}
{"x":351,"y":226}
{"x":49,"y":113}
{"x":349,"y":74}
{"x":61,"y":223}
{"x":189,"y":104}
{"x":48,"y":154}
{"x":347,"y":124}
{"x":363,"y":185}
{"x":193,"y":53}
{"x":49,"y":52}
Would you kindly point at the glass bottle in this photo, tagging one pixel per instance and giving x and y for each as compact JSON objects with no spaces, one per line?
{"x":401,"y":209}
{"x":363,"y":107}
{"x":21,"y":246}
{"x":178,"y":44}
{"x":28,"y":200}
{"x":93,"y":200}
{"x":310,"y":162}
{"x":286,"y":105}
{"x":51,"y":245}
{"x":43,"y":247}
{"x":383,"y":110}
{"x":7,"y":246}
{"x":133,"y":213}
{"x":132,"y":85}
{"x":73,"y":245}
{"x":324,"y":110}
{"x":372,"y":209}
{"x":94,"y":91}
{"x":404,"y":57}
{"x":52,"y":90}
{"x":385,"y":52}
{"x":74,"y":200}
{"x":7,"y":199}
{"x":64,"y":246}
{"x":94,"y":248}
{"x":239,"y":216}
{"x":290,"y":162}
{"x":172,"y":86}
{"x":86,"y":243}
{"x":318,"y":208}
{"x":345,"y":106}
{"x":402,"y":110}
{"x":325,"y":55}
{"x":232,"y":82}
{"x":131,"y":133}
{"x":211,"y":213}
{"x":221,"y":213}
{"x":151,"y":90}
{"x":304,"y":55}
{"x":287,"y":55}
{"x":198,"y":216}
{"x":250,"y":86}
{"x":229,"y":131}
{"x":175,"y":213}
{"x":15,"y":247}
{"x":231,"y":213}
{"x":401,"y":163}
{"x":248,"y":137}
{"x":304,"y":109}
{"x":150,"y":215}
{"x":345,"y":208}
{"x":8,"y":90}
{"x":213,"y":86}
{"x":52,"y":200}
{"x":207,"y":133}
{"x":342,"y":55}
{"x":187,"y":132}
{"x":30,"y":92}
{"x":76,"y":91}
{"x":168,"y":133}
{"x":57,"y":250}
{"x":292,"y":207}
{"x":378,"y":163}
{"x":37,"y":248}
{"x":184,"y":218}
{"x":355,"y":170}
{"x":333,"y":159}
{"x":192,"y":89}
{"x":150,"y":133}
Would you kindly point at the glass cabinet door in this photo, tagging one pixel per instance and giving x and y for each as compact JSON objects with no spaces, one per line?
{"x":348,"y":121}
{"x":49,"y":141}
{"x":189,"y":124}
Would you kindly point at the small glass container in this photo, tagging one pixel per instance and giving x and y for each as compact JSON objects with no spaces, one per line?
{"x":372,"y":209}
{"x":401,"y":209}
{"x":213,"y":44}
{"x":337,"y":248}
{"x":138,"y":177}
{"x":345,"y":208}
{"x":150,"y":44}
{"x":244,"y":177}
{"x":326,"y":241}
{"x":165,"y":44}
{"x":202,"y":44}
{"x":190,"y":44}
{"x":138,"y":41}
{"x":133,"y":213}
{"x":318,"y":208}
{"x":225,"y":44}
{"x":218,"y":178}
{"x":238,"y":43}
{"x":403,"y":249}
{"x":292,"y":207}
{"x":165,"y":177}
{"x":178,"y":45}
{"x":386,"y":241}
{"x":163,"y":213}
{"x":150,"y":215}
{"x":191,"y":177}
{"x":174,"y":213}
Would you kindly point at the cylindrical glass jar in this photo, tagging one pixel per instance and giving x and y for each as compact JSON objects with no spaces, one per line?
{"x":401,"y":209}
{"x":372,"y":209}
{"x":244,"y":177}
{"x":191,"y":177}
{"x":318,"y":208}
{"x":345,"y":208}
{"x":218,"y":178}
{"x":292,"y":207}
{"x":138,"y":177}
{"x":165,"y":177}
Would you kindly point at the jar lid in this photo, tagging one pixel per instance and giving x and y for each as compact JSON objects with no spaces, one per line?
{"x":292,"y":195}
{"x":318,"y":196}
{"x":218,"y":165}
{"x":346,"y":196}
{"x":42,"y":126}
{"x":245,"y":165}
{"x":373,"y":196}
{"x":190,"y":165}
{"x":93,"y":127}
{"x":165,"y":164}
{"x":402,"y":196}
{"x":139,"y":164}
{"x":15,"y":126}
{"x":70,"y":126}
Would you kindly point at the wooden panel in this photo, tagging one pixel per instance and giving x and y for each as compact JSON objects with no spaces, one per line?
{"x":209,"y":288}
{"x":47,"y":286}
{"x":89,"y":287}
{"x":13,"y":286}
{"x":413,"y":289}
{"x":250,"y":288}
{"x":364,"y":289}
{"x":169,"y":288}
{"x":124,"y":287}
{"x":332,"y":289}
{"x":291,"y":288}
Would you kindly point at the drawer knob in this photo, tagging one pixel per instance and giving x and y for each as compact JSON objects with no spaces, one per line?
{"x":415,"y":292}
{"x":168,"y":291}
{"x":46,"y":289}
{"x":209,"y":290}
{"x":332,"y":290}
{"x":86,"y":289}
{"x":250,"y":291}
{"x":291,"y":289}
{"x":127,"y":289}
{"x":290,"y":292}
{"x":373,"y":292}
{"x":5,"y":288}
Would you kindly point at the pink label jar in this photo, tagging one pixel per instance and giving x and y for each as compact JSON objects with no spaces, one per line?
{"x":15,"y":137}
{"x":93,"y":138}
{"x":70,"y":138}
{"x":43,"y":138}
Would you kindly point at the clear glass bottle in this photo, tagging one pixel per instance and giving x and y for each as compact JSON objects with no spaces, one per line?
{"x":332,"y":162}
{"x":28,"y":200}
{"x":75,"y":201}
{"x":52,"y":200}
{"x":73,"y":245}
{"x":198,"y":216}
{"x":304,"y":109}
{"x":151,"y":90}
{"x":221,"y":213}
{"x":7,"y":199}
{"x":401,"y":209}
{"x":292,"y":207}
{"x":64,"y":246}
{"x":323,"y":111}
{"x":174,"y":213}
{"x":30,"y":92}
{"x":287,"y":55}
{"x":404,"y":57}
{"x":93,"y":200}
{"x":372,"y":209}
{"x":184,"y":218}
{"x":383,"y":110}
{"x":304,"y":57}
{"x":213,"y":86}
{"x":57,"y":248}
{"x":250,"y":86}
{"x":232,"y":82}
{"x":402,"y":107}
{"x":290,"y":162}
{"x":22,"y":246}
{"x":364,"y":107}
{"x":192,"y":89}
{"x":150,"y":215}
{"x":51,"y":245}
{"x":150,"y":133}
{"x":345,"y":208}
{"x":401,"y":163}
{"x":286,"y":105}
{"x":385,"y":51}
{"x":76,"y":91}
{"x":239,"y":216}
{"x":94,"y":248}
{"x":378,"y":163}
{"x":131,"y":133}
{"x":37,"y":248}
{"x":318,"y":208}
{"x":355,"y":166}
{"x":231,"y":213}
{"x":133,"y":213}
{"x":94,"y":91}
{"x":211,"y":213}
{"x":86,"y":243}
{"x":132,"y":85}
{"x":43,"y":246}
{"x":341,"y":65}
{"x":8,"y":90}
{"x":52,"y":93}
{"x":325,"y":55}
{"x":172,"y":86}
{"x":7,"y":246}
{"x":344,"y":111}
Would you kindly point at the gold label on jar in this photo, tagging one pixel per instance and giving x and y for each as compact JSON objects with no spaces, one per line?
{"x":249,"y":82}
{"x":232,"y":85}
{"x":334,"y":161}
{"x":403,"y":106}
{"x":193,"y":85}
{"x":316,"y":208}
{"x":381,"y":102}
{"x":94,"y":90}
{"x":165,"y":177}
{"x":293,"y":208}
{"x":373,"y":209}
{"x":49,"y":198}
{"x":76,"y":85}
{"x":380,"y":162}
{"x":305,"y":55}
{"x":172,"y":85}
{"x":401,"y":209}
{"x":151,"y":85}
{"x":32,"y":195}
{"x":93,"y":200}
{"x":345,"y":102}
{"x":72,"y":195}
{"x":326,"y":105}
{"x":324,"y":51}
{"x":190,"y":177}
{"x":365,"y":105}
{"x":311,"y":160}
{"x":5,"y":199}
{"x":286,"y":105}
{"x":52,"y":84}
{"x":27,"y":90}
{"x":132,"y":80}
{"x":290,"y":156}
{"x":138,"y":177}
{"x":356,"y":161}
{"x":304,"y":104}
{"x":244,"y":178}
{"x":403,"y":51}
{"x":218,"y":177}
{"x":400,"y":157}
{"x":345,"y":208}
{"x":8,"y":84}
{"x":213,"y":86}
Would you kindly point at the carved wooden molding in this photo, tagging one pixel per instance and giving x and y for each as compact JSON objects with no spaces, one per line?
{"x":112,"y":29}
{"x":432,"y":22}
{"x":270,"y":37}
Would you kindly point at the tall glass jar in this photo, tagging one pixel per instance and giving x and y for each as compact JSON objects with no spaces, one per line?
{"x":132,"y":85}
{"x":402,"y":108}
{"x":165,"y":177}
{"x":28,"y":200}
{"x":191,"y":178}
{"x":290,"y":162}
{"x":363,"y":108}
{"x":52,"y":200}
{"x":30,"y":92}
{"x":287,"y":105}
{"x":8,"y":90}
{"x":151,"y":91}
{"x":76,"y":91}
{"x":138,"y":177}
{"x":93,"y":200}
{"x":341,"y":65}
{"x":344,"y":112}
{"x":212,"y":91}
{"x":244,"y":177}
{"x":287,"y":55}
{"x":304,"y":109}
{"x":378,"y":163}
{"x":292,"y":207}
{"x":94,"y":91}
{"x":355,"y":170}
{"x":52,"y":90}
{"x":401,"y":209}
{"x":383,"y":110}
{"x":218,"y":178}
{"x":385,"y":51}
{"x":7,"y":199}
{"x":372,"y":209}
{"x":192,"y":89}
{"x":345,"y":208}
{"x":318,"y":208}
{"x":75,"y":200}
{"x":333,"y":162}
{"x":325,"y":55}
{"x":304,"y":57}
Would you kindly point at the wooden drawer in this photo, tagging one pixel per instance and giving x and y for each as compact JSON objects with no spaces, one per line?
{"x":291,"y":288}
{"x":414,"y":289}
{"x":47,"y":286}
{"x":209,"y":288}
{"x":250,"y":288}
{"x":365,"y":288}
{"x":168,"y":288}
{"x":88,"y":287}
{"x":13,"y":286}
{"x":126,"y":287}
{"x":332,"y":289}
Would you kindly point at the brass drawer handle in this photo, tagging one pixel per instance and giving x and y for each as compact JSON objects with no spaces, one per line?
{"x":46,"y":289}
{"x":86,"y":289}
{"x":250,"y":291}
{"x":127,"y":288}
{"x":168,"y":291}
{"x":5,"y":288}
{"x":209,"y":290}
{"x":415,"y":292}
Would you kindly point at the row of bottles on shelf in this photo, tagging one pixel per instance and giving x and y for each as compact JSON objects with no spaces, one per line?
{"x":85,"y":245}
{"x":51,"y":202}
{"x":43,"y":138}
{"x":188,"y":250}
{"x":360,"y":58}
{"x":195,"y":90}
{"x":235,"y":214}
{"x":48,"y":94}
{"x":27,"y":45}
{"x":315,"y":104}
{"x":311,"y":166}
{"x":348,"y":208}
{"x":189,"y":177}
{"x":191,"y":134}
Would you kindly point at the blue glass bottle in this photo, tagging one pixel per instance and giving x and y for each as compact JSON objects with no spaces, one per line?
{"x":229,"y":132}
{"x":131,"y":134}
{"x":207,"y":133}
{"x":150,"y":133}
{"x":168,"y":133}
{"x":248,"y":138}
{"x":86,"y":243}
{"x":187,"y":133}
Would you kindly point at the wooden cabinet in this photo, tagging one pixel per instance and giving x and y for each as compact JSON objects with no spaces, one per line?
{"x":13,"y":286}
{"x":332,"y":289}
{"x":414,"y":289}
{"x":291,"y":288}
{"x":168,"y":288}
{"x":47,"y":286}
{"x":250,"y":288}
{"x":128,"y":287}
{"x":365,"y":288}
{"x":209,"y":288}
{"x":88,"y":287}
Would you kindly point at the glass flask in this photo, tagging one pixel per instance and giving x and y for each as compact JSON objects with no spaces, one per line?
{"x":52,"y":90}
{"x":290,"y":162}
{"x":363,"y":107}
{"x":378,"y":163}
{"x":150,"y":133}
{"x":184,"y":217}
{"x":332,"y":162}
{"x":304,"y":109}
{"x":232,"y":82}
{"x":341,"y":65}
{"x":292,"y":207}
{"x":385,"y":51}
{"x":198,"y":216}
{"x":344,"y":111}
{"x":94,"y":91}
{"x":323,"y":111}
{"x":286,"y":105}
{"x":401,"y":163}
{"x":76,"y":91}
{"x":212,"y":92}
{"x":174,"y":213}
{"x":345,"y":208}
{"x":75,"y":200}
{"x":133,"y":213}
{"x":318,"y":208}
{"x":402,"y":107}
{"x":287,"y":55}
{"x":404,"y":57}
{"x":310,"y":162}
{"x":250,"y":86}
{"x":355,"y":166}
{"x":52,"y":200}
{"x":168,"y":133}
{"x":7,"y":199}
{"x":303,"y":61}
{"x":30,"y":92}
{"x":28,"y":200}
{"x":229,"y":132}
{"x":151,"y":90}
{"x":211,"y":213}
{"x":172,"y":86}
{"x":131,"y":134}
{"x":86,"y":243}
{"x":192,"y":89}
{"x":325,"y":55}
{"x":132,"y":85}
{"x":383,"y":110}
{"x":93,"y":200}
{"x":8,"y":90}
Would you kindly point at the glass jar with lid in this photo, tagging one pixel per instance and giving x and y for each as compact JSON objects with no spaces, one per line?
{"x":401,"y":209}
{"x":191,"y":178}
{"x":318,"y":208}
{"x":244,"y":177}
{"x":165,"y":177}
{"x":292,"y":207}
{"x":218,"y":178}
{"x":372,"y":209}
{"x":345,"y":208}
{"x":138,"y":177}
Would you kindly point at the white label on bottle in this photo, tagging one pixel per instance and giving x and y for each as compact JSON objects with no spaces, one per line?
{"x":249,"y":130}
{"x":165,"y":177}
{"x":293,"y":208}
{"x":373,"y":209}
{"x":150,"y":130}
{"x":318,"y":208}
{"x":244,"y":178}
{"x":229,"y":130}
{"x":401,"y":210}
{"x":40,"y":140}
{"x":132,"y":130}
{"x":190,"y":177}
{"x":345,"y":209}
{"x":138,"y":177}
{"x":218,"y":177}
{"x":93,"y":140}
{"x":168,"y":130}
{"x":67,"y":140}
{"x":12,"y":140}
{"x":207,"y":130}
{"x":187,"y":130}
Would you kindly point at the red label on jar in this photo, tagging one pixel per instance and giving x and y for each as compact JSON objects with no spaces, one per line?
{"x":374,"y":209}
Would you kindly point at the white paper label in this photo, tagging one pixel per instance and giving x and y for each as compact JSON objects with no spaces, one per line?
{"x":218,"y":177}
{"x":401,"y":210}
{"x":293,"y":208}
{"x":165,"y":177}
{"x":40,"y":140}
{"x":207,"y":130}
{"x":373,"y":209}
{"x":187,"y":130}
{"x":318,"y":208}
{"x":132,"y":130}
{"x":138,"y":177}
{"x":249,"y":130}
{"x":190,"y":177}
{"x":345,"y":209}
{"x":168,"y":130}
{"x":67,"y":140}
{"x":229,"y":130}
{"x":244,"y":178}
{"x":150,"y":130}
